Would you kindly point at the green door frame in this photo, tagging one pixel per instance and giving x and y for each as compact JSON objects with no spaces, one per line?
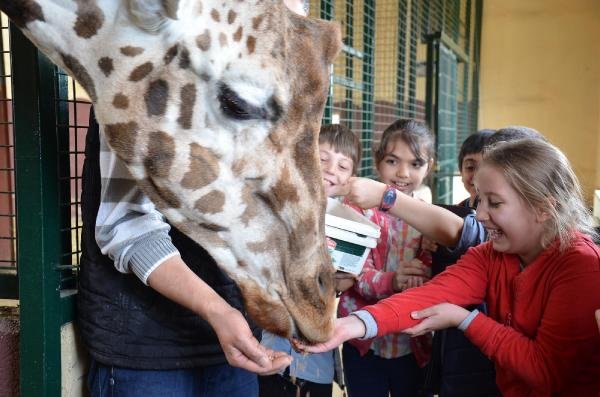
{"x":43,"y":307}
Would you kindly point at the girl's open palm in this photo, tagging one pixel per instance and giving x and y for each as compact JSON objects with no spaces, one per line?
{"x":441,"y":316}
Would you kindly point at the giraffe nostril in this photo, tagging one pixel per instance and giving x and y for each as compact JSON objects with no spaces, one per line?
{"x":324,"y":281}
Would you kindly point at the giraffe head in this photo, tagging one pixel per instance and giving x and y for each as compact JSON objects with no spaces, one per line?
{"x":214,"y":106}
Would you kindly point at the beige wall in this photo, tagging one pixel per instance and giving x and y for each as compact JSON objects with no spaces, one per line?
{"x":540,"y":67}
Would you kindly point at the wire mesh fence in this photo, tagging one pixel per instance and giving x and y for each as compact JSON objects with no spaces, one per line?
{"x":8,"y":232}
{"x":382,"y":73}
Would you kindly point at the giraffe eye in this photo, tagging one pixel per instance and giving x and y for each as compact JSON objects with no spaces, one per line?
{"x":236,"y":108}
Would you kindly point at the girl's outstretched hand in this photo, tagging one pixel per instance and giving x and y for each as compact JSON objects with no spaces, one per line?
{"x":441,"y":316}
{"x":346,"y":328}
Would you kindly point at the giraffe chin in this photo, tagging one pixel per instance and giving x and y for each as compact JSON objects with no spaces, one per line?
{"x":285,"y":317}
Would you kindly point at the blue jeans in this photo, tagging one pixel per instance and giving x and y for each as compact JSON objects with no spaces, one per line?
{"x":213,"y":381}
{"x":374,"y":376}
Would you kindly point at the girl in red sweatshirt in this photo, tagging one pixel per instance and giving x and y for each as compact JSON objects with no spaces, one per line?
{"x":539,"y":274}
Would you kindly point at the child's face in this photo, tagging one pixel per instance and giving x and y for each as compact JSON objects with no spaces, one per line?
{"x":336,"y":168}
{"x":512,"y":225}
{"x":467,"y":171}
{"x":401,"y":168}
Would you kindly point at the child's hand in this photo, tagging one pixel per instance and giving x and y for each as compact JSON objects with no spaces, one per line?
{"x":444,"y":315}
{"x":344,"y":281}
{"x":346,"y":328}
{"x":364,"y":192}
{"x":428,"y":244}
{"x":409,"y":274}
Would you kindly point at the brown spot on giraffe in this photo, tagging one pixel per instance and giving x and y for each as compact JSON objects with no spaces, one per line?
{"x":203,"y":168}
{"x":266,"y":273}
{"x":231,"y":15}
{"x":214,"y":14}
{"x":278,"y":49}
{"x":223,"y":39}
{"x":156,"y":97}
{"x":260,"y":246}
{"x":184,"y":59}
{"x":237,"y":36}
{"x":121,"y":137}
{"x":89,"y":19}
{"x":106,"y":65}
{"x":304,"y":157}
{"x":256,"y":21}
{"x":188,"y":99}
{"x":160,"y":154}
{"x":164,"y":194}
{"x":211,"y":203}
{"x":251,"y":209}
{"x":131,"y":51}
{"x":120,"y":101}
{"x":23,"y":12}
{"x":284,"y":190}
{"x":239,"y":166}
{"x":303,"y":231}
{"x":141,"y":71}
{"x":203,"y":40}
{"x":171,"y":53}
{"x":81,"y":74}
{"x":250,"y":44}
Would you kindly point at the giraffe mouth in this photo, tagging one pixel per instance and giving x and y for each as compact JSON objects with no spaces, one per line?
{"x":297,"y":333}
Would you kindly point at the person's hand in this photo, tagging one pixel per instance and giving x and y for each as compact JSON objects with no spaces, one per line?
{"x":344,"y":281}
{"x":412,"y":273}
{"x":346,"y":328}
{"x":441,"y":316}
{"x":363,"y":192}
{"x":598,"y":318}
{"x":242,"y":349}
{"x":428,"y":244}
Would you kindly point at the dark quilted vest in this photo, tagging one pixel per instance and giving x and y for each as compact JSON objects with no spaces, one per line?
{"x":457,"y":367}
{"x":127,"y":324}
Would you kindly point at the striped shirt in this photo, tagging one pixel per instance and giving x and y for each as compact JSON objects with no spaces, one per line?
{"x":129,"y":228}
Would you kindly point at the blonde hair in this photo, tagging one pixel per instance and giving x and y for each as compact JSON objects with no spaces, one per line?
{"x":543,"y":177}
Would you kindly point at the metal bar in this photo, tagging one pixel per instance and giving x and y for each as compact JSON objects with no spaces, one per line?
{"x":348,"y":83}
{"x":353,"y":51}
{"x":326,"y":12}
{"x":37,"y":206}
{"x":369,"y":87}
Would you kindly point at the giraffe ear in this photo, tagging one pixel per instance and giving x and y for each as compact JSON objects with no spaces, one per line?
{"x":331,"y":37}
{"x":151,"y":15}
{"x":320,"y":33}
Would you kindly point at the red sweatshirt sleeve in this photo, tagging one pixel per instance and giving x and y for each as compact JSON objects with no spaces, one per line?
{"x":567,"y":335}
{"x":462,"y":284}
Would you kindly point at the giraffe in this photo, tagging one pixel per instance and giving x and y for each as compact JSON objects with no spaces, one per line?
{"x":214,"y":106}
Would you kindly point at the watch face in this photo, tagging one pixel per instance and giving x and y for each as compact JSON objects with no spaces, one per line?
{"x":388,"y":200}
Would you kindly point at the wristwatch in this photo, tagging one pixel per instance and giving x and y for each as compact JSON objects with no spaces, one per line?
{"x":388,"y":199}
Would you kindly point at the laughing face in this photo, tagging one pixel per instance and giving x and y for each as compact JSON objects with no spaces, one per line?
{"x":512,"y":224}
{"x":336,"y":168}
{"x":401,"y":168}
